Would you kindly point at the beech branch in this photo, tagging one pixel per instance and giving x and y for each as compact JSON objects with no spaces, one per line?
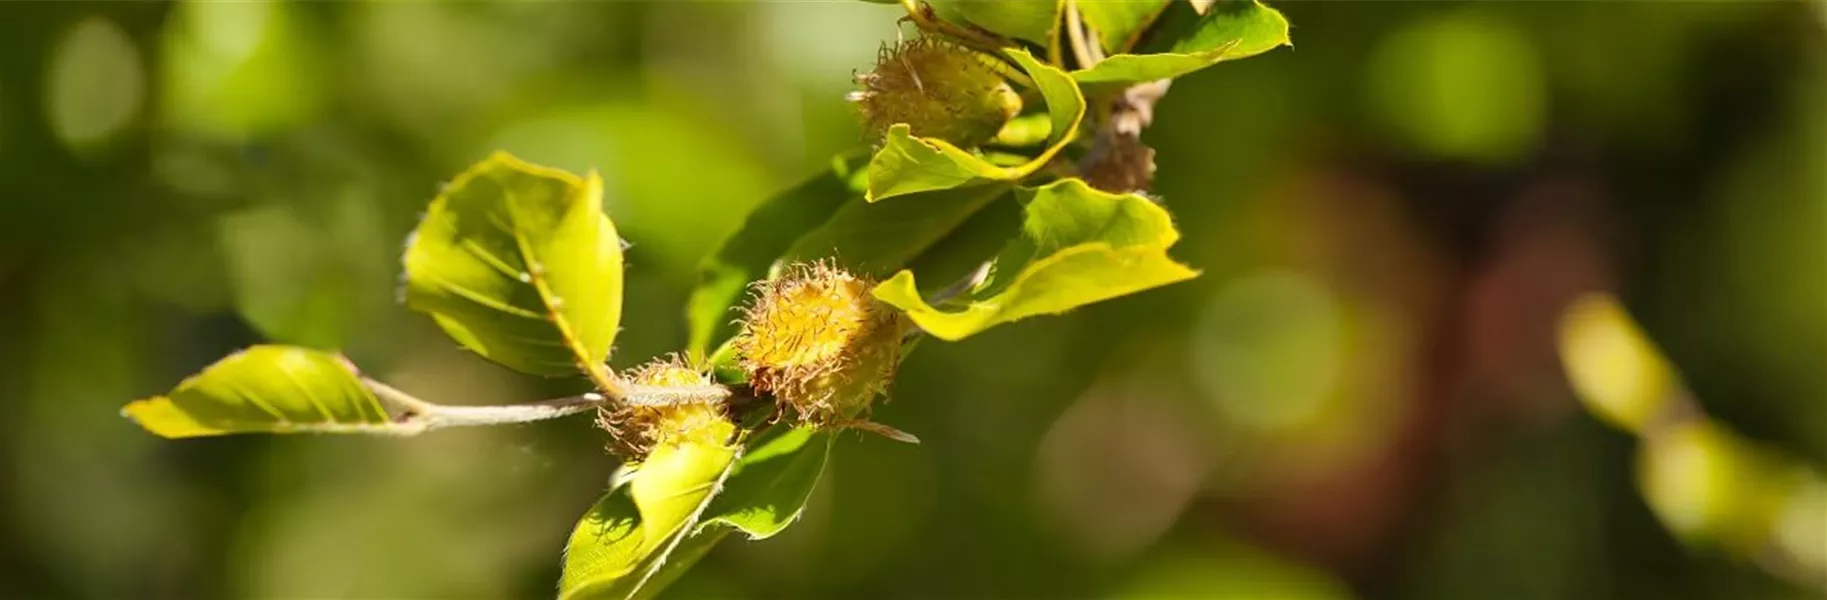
{"x":419,"y":416}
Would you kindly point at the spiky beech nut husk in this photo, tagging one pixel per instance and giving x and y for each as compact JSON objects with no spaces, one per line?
{"x":820,"y":343}
{"x":939,"y":89}
{"x":637,"y":428}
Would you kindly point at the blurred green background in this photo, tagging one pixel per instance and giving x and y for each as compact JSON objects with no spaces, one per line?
{"x":1361,"y":396}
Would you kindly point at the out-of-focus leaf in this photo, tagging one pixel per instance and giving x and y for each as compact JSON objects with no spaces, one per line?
{"x":284,"y":282}
{"x":1078,"y":245}
{"x":876,"y":239}
{"x":619,"y":548}
{"x":305,"y":274}
{"x":1222,"y":569}
{"x":1119,"y":22}
{"x":265,"y":389}
{"x":906,"y":164}
{"x":519,"y":264}
{"x":1231,"y":30}
{"x":746,"y":256}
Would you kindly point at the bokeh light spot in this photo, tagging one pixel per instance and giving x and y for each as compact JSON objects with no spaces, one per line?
{"x":235,"y":69}
{"x":1682,"y":474}
{"x":1267,"y":349}
{"x":1118,"y":467}
{"x":1613,"y":368}
{"x":1801,"y":528}
{"x":96,"y":84}
{"x":1460,"y":86}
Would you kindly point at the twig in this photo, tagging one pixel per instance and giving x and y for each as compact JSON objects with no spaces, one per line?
{"x":970,"y":280}
{"x":1118,"y":161}
{"x":1095,"y":46}
{"x":1086,"y":47}
{"x":1075,"y":33}
{"x":1135,"y":110}
{"x":419,"y":416}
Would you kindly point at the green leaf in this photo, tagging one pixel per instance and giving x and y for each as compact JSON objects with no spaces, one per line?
{"x":265,"y":389}
{"x":675,"y":482}
{"x":1232,"y":29}
{"x":1254,"y":26}
{"x":765,"y":494}
{"x":1078,"y":245}
{"x":1119,"y":22}
{"x":951,"y":11}
{"x":621,"y":545}
{"x":967,"y":247}
{"x":690,"y":550}
{"x":633,"y":532}
{"x":1031,"y":20}
{"x":907,"y":164}
{"x":772,"y":482}
{"x":519,"y":264}
{"x":747,"y":255}
{"x":605,"y":548}
{"x":876,"y":239}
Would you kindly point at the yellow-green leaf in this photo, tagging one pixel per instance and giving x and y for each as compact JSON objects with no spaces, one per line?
{"x":906,"y":164}
{"x":628,"y":545}
{"x":618,"y":547}
{"x":1078,"y":245}
{"x":605,"y":547}
{"x":1230,"y":30}
{"x":265,"y":389}
{"x":675,"y":482}
{"x":519,"y":264}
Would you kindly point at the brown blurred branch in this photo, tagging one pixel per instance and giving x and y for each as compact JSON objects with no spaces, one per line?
{"x":1118,"y":161}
